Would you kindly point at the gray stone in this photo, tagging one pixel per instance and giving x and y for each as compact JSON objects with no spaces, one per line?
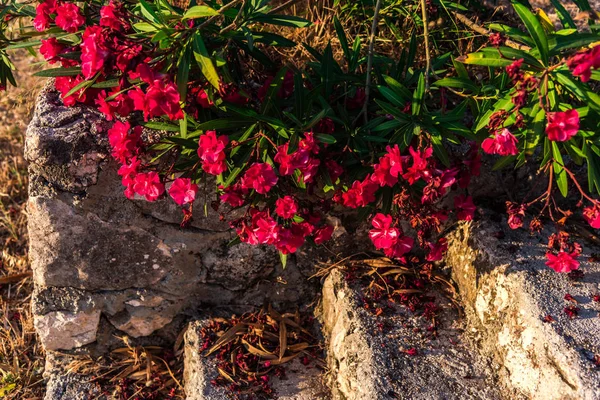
{"x":301,"y":382}
{"x":61,"y":384}
{"x":507,"y":291}
{"x":367,"y":363}
{"x":59,"y":330}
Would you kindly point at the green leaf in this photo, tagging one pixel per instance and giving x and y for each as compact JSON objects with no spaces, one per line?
{"x":439,"y":150}
{"x":342,"y":37}
{"x":52,"y":73}
{"x":273,"y":89}
{"x":148,"y":12}
{"x":563,"y":14}
{"x":535,"y":28}
{"x":458,"y":83}
{"x":504,"y":162}
{"x":183,"y":126}
{"x":107,"y":84}
{"x":398,"y":88}
{"x":79,"y":86}
{"x":325,"y":138}
{"x":183,"y":71}
{"x":200,"y":12}
{"x":205,"y":62}
{"x":391,"y":96}
{"x":572,"y":41}
{"x":283,"y":258}
{"x":220,"y":124}
{"x":418,"y":95}
{"x":559,"y":171}
{"x":162,"y":126}
{"x":513,"y":33}
{"x":593,"y":168}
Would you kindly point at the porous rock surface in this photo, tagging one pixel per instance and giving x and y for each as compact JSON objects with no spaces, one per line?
{"x":97,"y":256}
{"x":300,"y":382}
{"x":507,"y":292}
{"x":368,"y":355}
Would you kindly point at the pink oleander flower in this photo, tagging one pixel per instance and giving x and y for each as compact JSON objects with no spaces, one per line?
{"x":234,"y":195}
{"x":93,"y":51}
{"x":382,"y":172}
{"x":383,"y":235}
{"x":50,"y":49}
{"x":360,"y":194}
{"x":418,"y":169}
{"x":503,"y":144}
{"x":42,"y":18}
{"x":402,"y":246}
{"x":592,"y":215}
{"x":163,"y":99}
{"x":581,"y":64}
{"x":68,"y":17}
{"x":123,"y":144}
{"x":562,"y":125}
{"x":286,"y":207}
{"x":323,"y":234}
{"x":111,"y":17}
{"x":148,"y":185}
{"x":464,"y":207}
{"x":211,"y":150}
{"x":562,"y":262}
{"x":260,"y":177}
{"x":183,"y":191}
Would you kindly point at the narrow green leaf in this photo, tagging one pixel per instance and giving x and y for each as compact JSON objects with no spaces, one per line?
{"x":559,"y":172}
{"x":200,"y":12}
{"x":52,"y":73}
{"x":535,"y":28}
{"x":418,"y":95}
{"x":205,"y":62}
{"x":183,"y":71}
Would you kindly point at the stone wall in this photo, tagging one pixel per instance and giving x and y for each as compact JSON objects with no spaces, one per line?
{"x":103,"y":263}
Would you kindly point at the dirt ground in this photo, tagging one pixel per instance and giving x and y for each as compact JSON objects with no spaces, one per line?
{"x":21,"y":358}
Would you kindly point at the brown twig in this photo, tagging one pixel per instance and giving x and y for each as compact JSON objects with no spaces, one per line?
{"x":426,"y":38}
{"x":484,"y":31}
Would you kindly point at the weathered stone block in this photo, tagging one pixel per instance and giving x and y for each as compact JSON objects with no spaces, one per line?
{"x":507,"y":292}
{"x":368,"y":363}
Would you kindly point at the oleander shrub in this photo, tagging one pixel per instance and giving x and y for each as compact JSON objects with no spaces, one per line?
{"x":289,"y":141}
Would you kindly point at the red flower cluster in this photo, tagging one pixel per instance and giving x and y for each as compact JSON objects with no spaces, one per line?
{"x":303,"y":159}
{"x":503,"y":143}
{"x":387,"y":237}
{"x":211,"y":150}
{"x":183,"y":191}
{"x":592,"y":215}
{"x":67,"y":16}
{"x":581,"y":64}
{"x":261,"y":228}
{"x":562,"y":125}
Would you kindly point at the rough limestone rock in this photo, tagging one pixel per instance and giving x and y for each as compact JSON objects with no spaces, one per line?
{"x":507,"y":292}
{"x":97,"y":256}
{"x":300,"y":383}
{"x":64,"y":385}
{"x":368,"y":359}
